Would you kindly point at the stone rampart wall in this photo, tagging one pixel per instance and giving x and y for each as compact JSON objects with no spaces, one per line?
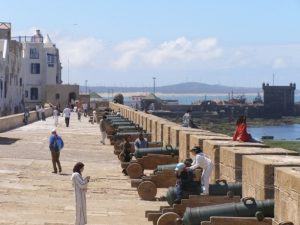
{"x":265,"y":172}
{"x":14,"y":121}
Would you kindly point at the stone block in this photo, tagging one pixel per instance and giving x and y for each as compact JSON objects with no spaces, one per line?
{"x":197,"y":139}
{"x":175,"y":131}
{"x":231,"y":159}
{"x":149,"y":124}
{"x":167,"y":132}
{"x":212,"y":149}
{"x":258,"y":173}
{"x":154,"y":129}
{"x":287,"y":195}
{"x":184,"y":141}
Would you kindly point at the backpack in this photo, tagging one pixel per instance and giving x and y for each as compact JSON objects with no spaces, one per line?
{"x":58,"y":144}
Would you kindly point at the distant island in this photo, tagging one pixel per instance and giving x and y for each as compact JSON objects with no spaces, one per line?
{"x":182,"y":88}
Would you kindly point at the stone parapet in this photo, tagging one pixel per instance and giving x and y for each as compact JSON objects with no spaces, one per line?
{"x":212,"y":149}
{"x":258,"y":173}
{"x":231,"y":159}
{"x":14,"y":121}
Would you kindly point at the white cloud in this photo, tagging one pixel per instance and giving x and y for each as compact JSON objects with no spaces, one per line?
{"x":140,"y":52}
{"x":279,"y":63}
{"x":81,"y":52}
{"x":183,"y":49}
{"x":129,"y":51}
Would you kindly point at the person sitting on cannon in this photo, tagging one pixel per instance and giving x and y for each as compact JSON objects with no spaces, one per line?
{"x":201,"y":160}
{"x":184,"y":182}
{"x":141,"y":142}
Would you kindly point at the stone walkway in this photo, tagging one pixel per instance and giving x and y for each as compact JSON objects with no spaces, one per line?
{"x":30,"y":194}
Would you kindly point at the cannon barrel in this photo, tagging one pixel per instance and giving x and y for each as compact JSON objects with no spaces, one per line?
{"x":118,"y":120}
{"x":248,"y":207}
{"x":117,"y":124}
{"x":129,"y":128}
{"x":167,"y":150}
{"x":220,"y":188}
{"x":166,"y":167}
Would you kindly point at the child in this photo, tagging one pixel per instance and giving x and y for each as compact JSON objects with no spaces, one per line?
{"x":184,"y":180}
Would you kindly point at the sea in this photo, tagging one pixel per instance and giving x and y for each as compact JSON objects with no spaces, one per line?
{"x":187,"y":99}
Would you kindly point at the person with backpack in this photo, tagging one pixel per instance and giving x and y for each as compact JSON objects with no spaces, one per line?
{"x":56,"y":144}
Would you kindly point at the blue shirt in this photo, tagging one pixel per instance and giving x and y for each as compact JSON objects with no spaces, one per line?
{"x":140,"y":143}
{"x":56,"y":143}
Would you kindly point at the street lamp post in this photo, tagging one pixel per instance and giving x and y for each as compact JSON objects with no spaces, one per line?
{"x":86,"y":86}
{"x":154,"y":84}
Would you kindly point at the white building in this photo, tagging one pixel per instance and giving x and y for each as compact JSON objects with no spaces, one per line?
{"x":30,"y":73}
{"x":40,"y":67}
{"x":11,"y":78}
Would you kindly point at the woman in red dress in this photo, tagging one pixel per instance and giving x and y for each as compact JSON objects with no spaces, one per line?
{"x":241,"y":133}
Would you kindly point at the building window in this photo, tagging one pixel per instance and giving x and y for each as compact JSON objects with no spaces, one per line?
{"x":26,"y":94}
{"x":35,"y":68}
{"x":34,"y":93}
{"x":34,"y":53}
{"x":21,"y":82}
{"x":1,"y":88}
{"x":57,"y":96}
{"x":51,"y":59}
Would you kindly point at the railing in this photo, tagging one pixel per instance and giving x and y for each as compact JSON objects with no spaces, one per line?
{"x":28,"y":39}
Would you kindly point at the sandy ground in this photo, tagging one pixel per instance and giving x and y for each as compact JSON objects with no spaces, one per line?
{"x":30,"y":194}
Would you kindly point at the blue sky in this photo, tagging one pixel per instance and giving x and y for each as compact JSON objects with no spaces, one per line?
{"x":126,"y":43}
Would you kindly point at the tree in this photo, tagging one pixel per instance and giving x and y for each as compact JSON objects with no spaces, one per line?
{"x":118,"y":98}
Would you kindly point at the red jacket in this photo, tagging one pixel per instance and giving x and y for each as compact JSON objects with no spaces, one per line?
{"x":241,"y":133}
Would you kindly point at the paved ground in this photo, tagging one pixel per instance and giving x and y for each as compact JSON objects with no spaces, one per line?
{"x":31,"y":194}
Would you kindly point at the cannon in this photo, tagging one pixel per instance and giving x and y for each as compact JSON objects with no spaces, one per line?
{"x":167,"y":150}
{"x":150,"y":158}
{"x":225,"y":193}
{"x":248,"y":207}
{"x":220,"y":188}
{"x":163,"y":177}
{"x":129,"y":128}
{"x":119,"y":137}
{"x":118,"y":148}
{"x":112,"y":127}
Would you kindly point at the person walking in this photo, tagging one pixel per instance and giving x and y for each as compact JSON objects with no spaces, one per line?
{"x":67,"y":114}
{"x":103,"y":129}
{"x":80,"y":187}
{"x":94,"y":117}
{"x":26,"y":116}
{"x":186,"y":119}
{"x":43,"y":113}
{"x":79,"y":114}
{"x":56,"y":144}
{"x":37,"y":109}
{"x":202,"y":161}
{"x":55,"y":116}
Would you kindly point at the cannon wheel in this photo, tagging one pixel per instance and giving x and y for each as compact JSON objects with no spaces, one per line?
{"x":168,"y":218}
{"x":135,"y":170}
{"x":147,"y":190}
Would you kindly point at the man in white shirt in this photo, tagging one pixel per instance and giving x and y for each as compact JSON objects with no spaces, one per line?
{"x":202,"y":161}
{"x":55,"y":116}
{"x":67,"y":114}
{"x":186,"y":119}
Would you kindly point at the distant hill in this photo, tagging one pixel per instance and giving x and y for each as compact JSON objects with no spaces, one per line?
{"x":189,"y":87}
